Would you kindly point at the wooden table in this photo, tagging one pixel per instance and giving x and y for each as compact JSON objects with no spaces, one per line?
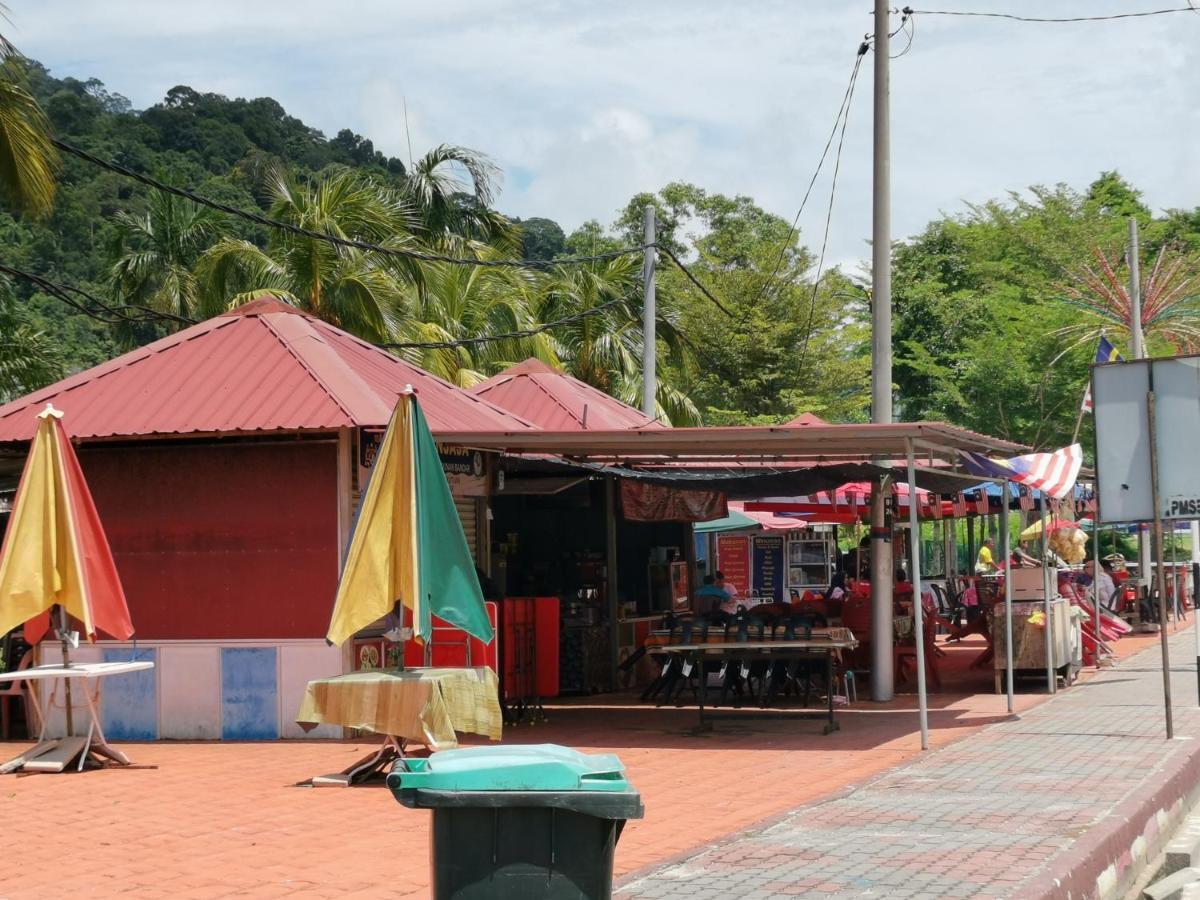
{"x":772,"y":651}
{"x":424,"y":705}
{"x":56,"y":754}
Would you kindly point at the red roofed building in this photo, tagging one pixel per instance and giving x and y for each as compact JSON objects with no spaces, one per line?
{"x":225,"y":462}
{"x":556,"y":401}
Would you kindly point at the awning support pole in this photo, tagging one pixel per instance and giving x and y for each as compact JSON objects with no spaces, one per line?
{"x":914,"y":562}
{"x":1008,"y":634}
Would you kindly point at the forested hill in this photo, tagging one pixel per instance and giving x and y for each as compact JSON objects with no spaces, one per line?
{"x":204,"y":141}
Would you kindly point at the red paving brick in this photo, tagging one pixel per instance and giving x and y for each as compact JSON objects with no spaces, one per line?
{"x":209,"y":820}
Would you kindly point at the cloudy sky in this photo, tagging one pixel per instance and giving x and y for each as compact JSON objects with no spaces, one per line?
{"x":583,"y":104}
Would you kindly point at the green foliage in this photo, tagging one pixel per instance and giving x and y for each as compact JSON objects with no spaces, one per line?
{"x":779,"y":347}
{"x":29,"y":358}
{"x":981,"y":327}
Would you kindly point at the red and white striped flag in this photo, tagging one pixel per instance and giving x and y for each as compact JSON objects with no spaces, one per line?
{"x":1053,"y":474}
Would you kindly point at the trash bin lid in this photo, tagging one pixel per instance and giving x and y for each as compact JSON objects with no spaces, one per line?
{"x":533,"y":767}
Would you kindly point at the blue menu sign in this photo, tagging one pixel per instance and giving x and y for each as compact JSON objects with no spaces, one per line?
{"x":767,"y":567}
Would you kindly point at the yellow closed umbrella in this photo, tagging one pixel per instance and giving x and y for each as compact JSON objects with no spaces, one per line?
{"x":408,"y":544}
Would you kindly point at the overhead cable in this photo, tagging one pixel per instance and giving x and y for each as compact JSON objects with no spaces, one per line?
{"x":78,"y":299}
{"x":1049,"y":19}
{"x":350,"y":243}
{"x":847,"y":96}
{"x":507,"y":336}
{"x":666,"y":251}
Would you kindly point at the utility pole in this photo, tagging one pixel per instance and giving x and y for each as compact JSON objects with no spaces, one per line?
{"x":881,"y":230}
{"x":1137,"y":350}
{"x":649,"y":370}
{"x":882,"y":654}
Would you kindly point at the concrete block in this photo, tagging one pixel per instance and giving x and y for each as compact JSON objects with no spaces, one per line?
{"x":1183,"y":850}
{"x":1171,"y":887}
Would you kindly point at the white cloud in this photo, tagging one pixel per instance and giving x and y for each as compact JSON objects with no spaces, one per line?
{"x":591,"y":103}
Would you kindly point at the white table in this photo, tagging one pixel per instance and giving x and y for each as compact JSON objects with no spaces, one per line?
{"x":55,"y":754}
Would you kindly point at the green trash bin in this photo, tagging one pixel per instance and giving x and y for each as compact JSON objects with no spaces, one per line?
{"x":520,"y":822}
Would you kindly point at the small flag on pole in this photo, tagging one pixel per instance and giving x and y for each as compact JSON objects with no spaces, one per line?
{"x":1105,"y":352}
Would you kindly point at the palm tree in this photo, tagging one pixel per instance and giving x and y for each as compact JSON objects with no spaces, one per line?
{"x":605,"y":349}
{"x":29,"y":359}
{"x":28,"y":161}
{"x":452,"y":189}
{"x":457,"y":302}
{"x":1170,"y":301}
{"x":156,"y":250}
{"x":362,"y":291}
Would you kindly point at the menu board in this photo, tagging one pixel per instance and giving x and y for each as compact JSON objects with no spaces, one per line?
{"x":733,"y":559}
{"x":768,"y":566}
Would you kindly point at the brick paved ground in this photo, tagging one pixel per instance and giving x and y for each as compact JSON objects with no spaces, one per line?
{"x":213,"y":820}
{"x":1002,"y":813}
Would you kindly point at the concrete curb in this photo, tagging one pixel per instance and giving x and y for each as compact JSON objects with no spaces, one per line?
{"x":1106,"y":858}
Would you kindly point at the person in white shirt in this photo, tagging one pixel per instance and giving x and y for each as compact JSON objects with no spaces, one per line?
{"x":1104,"y":587}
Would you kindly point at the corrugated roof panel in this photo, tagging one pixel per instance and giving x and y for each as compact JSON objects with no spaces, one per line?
{"x":557,"y":401}
{"x":262,"y":367}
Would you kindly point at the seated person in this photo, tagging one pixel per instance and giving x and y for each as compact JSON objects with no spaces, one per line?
{"x":1021,"y":559}
{"x":903,"y":588}
{"x":711,"y":596}
{"x":984,"y":564}
{"x":1105,"y":589}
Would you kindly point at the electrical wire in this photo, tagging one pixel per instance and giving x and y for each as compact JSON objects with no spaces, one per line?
{"x":507,"y":336}
{"x":111,"y":315}
{"x":78,"y":298}
{"x":1040,"y":19}
{"x":350,"y":243}
{"x":694,"y":280}
{"x":910,"y":21}
{"x":812,"y":304}
{"x":842,"y":110}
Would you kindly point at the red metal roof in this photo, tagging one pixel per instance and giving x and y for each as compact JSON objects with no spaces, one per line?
{"x":806,"y":419}
{"x":555,"y":400}
{"x":264,"y":366}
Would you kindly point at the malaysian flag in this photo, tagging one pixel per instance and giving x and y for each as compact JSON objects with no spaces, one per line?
{"x":1106,"y":352}
{"x":1053,"y":474}
{"x":1025,"y":499}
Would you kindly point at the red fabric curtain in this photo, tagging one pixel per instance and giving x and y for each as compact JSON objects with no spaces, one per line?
{"x":642,"y":502}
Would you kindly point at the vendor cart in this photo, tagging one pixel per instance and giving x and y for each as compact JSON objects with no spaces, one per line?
{"x":1029,"y":641}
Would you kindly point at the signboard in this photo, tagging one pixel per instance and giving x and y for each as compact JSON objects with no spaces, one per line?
{"x":733,"y":560}
{"x":1119,"y":391}
{"x":768,"y":567}
{"x":460,"y":460}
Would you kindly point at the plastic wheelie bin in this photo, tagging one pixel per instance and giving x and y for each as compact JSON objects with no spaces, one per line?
{"x":520,"y":822}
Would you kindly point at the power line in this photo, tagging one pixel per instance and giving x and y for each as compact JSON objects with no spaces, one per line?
{"x":1041,"y":19}
{"x":507,"y":336}
{"x":78,"y":298}
{"x":842,"y":110}
{"x":259,"y":219}
{"x":837,"y":165}
{"x":694,"y":280}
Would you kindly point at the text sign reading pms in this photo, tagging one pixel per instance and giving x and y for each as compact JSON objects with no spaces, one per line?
{"x":1182,"y":508}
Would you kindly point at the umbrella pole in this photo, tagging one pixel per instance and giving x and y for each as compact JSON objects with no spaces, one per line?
{"x":66,"y":655}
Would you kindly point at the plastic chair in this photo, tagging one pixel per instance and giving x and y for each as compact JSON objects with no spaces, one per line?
{"x":17,"y":690}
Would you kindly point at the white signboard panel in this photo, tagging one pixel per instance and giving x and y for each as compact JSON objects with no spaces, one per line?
{"x":1122,"y":438}
{"x":1122,"y":441}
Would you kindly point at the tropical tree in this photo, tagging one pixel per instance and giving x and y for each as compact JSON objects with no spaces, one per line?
{"x":156,"y":250}
{"x":29,"y":358}
{"x":601,"y":341}
{"x":28,"y":161}
{"x":1170,"y":301}
{"x":365,"y":292}
{"x":478,"y":304}
{"x":451,"y":190}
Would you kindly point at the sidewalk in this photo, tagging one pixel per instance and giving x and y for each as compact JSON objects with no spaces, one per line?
{"x":1062,"y":803}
